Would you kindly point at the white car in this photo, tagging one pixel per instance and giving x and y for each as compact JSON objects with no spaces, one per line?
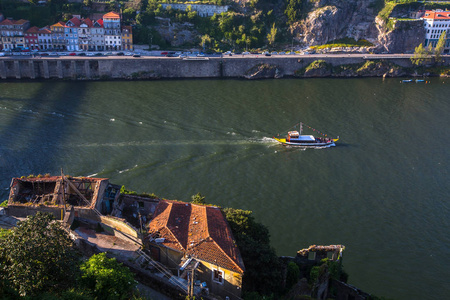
{"x":2,"y":54}
{"x":128,"y":54}
{"x":90,"y":54}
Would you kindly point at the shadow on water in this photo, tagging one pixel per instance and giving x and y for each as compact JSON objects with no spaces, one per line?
{"x":35,"y":142}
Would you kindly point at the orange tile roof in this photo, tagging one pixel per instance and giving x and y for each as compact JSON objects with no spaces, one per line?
{"x":45,"y":30}
{"x":111,"y":15}
{"x":59,"y":24}
{"x":33,"y":29}
{"x":13,"y":22}
{"x":437,"y":15}
{"x":197,"y":230}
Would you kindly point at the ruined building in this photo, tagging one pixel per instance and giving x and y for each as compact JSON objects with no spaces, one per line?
{"x":191,"y":245}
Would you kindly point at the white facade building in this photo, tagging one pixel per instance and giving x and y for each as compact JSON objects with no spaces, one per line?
{"x":436,"y":22}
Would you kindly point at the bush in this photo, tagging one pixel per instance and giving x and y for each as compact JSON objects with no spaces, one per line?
{"x":107,"y":278}
{"x":293,"y":274}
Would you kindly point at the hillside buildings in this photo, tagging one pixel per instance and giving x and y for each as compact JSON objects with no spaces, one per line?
{"x":77,"y":34}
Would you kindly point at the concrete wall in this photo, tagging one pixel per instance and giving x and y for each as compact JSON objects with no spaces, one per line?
{"x":151,"y":68}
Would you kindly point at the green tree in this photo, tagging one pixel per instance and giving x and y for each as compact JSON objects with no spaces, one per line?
{"x":421,"y":56}
{"x":107,"y":278}
{"x":37,"y":256}
{"x":87,"y":3}
{"x":198,"y":199}
{"x":263,"y":269}
{"x":440,"y":46}
{"x":272,"y":35}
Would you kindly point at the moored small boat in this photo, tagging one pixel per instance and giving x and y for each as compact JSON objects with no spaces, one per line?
{"x":295,"y":138}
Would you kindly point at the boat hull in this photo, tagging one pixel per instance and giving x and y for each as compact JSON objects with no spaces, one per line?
{"x":306,"y":145}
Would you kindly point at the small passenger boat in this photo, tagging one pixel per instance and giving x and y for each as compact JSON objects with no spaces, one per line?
{"x":295,"y":138}
{"x":406,"y":81}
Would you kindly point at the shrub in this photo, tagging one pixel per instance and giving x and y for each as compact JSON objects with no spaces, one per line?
{"x":107,"y":278}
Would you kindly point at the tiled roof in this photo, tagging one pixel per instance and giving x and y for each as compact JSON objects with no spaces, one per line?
{"x":100,"y":21}
{"x":197,"y":230}
{"x":88,"y":22}
{"x":13,"y":22}
{"x":44,"y":30}
{"x":437,"y":15}
{"x":56,"y":178}
{"x":33,"y":29}
{"x":111,"y":15}
{"x":59,"y":24}
{"x":127,"y":28}
{"x":75,"y":21}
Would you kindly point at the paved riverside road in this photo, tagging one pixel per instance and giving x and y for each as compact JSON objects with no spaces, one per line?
{"x":235,"y":56}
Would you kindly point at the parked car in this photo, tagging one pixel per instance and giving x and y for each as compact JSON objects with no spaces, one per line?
{"x":81,"y":54}
{"x":53,"y":54}
{"x":98,"y":54}
{"x":120,"y":54}
{"x":62,"y":53}
{"x":2,"y":54}
{"x":90,"y":54}
{"x":136,"y":55}
{"x":72,"y":54}
{"x":44,"y":54}
{"x":128,"y":54}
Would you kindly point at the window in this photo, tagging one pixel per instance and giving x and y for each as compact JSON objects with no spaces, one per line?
{"x":218,"y":276}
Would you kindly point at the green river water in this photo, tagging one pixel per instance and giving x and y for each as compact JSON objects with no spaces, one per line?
{"x":383,"y":191}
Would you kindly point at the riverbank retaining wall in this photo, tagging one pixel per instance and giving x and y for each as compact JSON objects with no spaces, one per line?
{"x":155,"y":68}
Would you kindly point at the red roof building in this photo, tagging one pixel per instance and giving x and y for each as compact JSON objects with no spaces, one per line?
{"x":437,"y":22}
{"x":31,"y":38}
{"x":180,"y":230}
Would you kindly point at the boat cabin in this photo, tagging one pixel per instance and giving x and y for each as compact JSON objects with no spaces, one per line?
{"x":295,"y":137}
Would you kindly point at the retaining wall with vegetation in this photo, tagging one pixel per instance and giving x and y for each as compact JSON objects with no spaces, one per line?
{"x":156,"y":68}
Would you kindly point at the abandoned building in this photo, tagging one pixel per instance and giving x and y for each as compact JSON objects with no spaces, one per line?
{"x":317,"y":253}
{"x":193,"y":242}
{"x":183,"y":233}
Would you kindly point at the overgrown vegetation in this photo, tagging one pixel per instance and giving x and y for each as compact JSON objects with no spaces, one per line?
{"x":38,"y":261}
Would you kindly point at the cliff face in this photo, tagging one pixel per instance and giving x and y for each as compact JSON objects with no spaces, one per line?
{"x":335,"y":19}
{"x":330,"y":20}
{"x":405,"y":36}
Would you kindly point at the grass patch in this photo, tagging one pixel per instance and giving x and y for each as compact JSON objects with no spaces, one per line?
{"x":345,"y":42}
{"x":318,"y":64}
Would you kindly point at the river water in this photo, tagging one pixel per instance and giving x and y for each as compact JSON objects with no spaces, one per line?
{"x":383,"y":192}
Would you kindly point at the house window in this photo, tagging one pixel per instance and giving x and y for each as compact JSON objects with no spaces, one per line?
{"x":218,"y":276}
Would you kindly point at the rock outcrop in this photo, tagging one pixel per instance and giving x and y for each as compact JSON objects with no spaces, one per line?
{"x":335,"y":19}
{"x":405,"y":36}
{"x":261,"y":71}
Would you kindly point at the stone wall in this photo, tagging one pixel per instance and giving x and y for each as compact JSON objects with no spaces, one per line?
{"x":156,"y":68}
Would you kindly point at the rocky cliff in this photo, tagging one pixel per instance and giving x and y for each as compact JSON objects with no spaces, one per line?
{"x":335,"y":19}
{"x":405,"y":36}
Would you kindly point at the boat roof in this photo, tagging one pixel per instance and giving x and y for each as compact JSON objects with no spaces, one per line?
{"x":304,"y":138}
